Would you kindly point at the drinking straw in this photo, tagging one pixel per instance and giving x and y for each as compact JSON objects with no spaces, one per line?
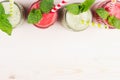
{"x":11,"y":6}
{"x":58,"y":6}
{"x":93,"y":24}
{"x":112,"y":3}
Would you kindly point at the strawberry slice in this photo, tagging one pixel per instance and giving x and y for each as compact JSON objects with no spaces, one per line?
{"x":47,"y":19}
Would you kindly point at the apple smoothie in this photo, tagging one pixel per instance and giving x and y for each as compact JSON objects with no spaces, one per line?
{"x":71,"y":21}
{"x":11,"y":15}
{"x":18,"y":13}
{"x":72,"y":14}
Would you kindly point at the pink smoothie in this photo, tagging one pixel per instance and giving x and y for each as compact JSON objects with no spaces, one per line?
{"x":47,"y":19}
{"x":113,"y":10}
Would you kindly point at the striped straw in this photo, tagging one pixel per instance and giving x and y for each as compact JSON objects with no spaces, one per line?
{"x":93,"y":24}
{"x":58,"y":6}
{"x":11,"y":6}
{"x":112,"y":3}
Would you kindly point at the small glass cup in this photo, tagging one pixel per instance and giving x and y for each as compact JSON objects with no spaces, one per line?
{"x":72,"y":22}
{"x":47,"y":19}
{"x":111,"y":8}
{"x":18,"y":13}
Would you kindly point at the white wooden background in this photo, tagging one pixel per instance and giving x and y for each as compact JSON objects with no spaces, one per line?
{"x":58,"y":54}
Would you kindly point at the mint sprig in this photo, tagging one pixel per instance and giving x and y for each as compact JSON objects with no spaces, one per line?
{"x":102,"y":13}
{"x":79,"y":8}
{"x":35,"y":15}
{"x":87,"y":4}
{"x":112,"y":20}
{"x":46,"y":5}
{"x":2,"y":11}
{"x":5,"y":25}
{"x":73,"y":8}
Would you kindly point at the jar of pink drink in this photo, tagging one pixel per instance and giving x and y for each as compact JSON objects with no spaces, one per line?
{"x":112,"y":9}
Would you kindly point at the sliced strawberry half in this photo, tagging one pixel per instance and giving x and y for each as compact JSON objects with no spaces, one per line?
{"x":47,"y":19}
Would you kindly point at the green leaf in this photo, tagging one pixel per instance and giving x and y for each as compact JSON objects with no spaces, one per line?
{"x":34,"y":16}
{"x":5,"y":26}
{"x":110,"y":20}
{"x":87,"y":4}
{"x":2,"y":11}
{"x":114,"y":22}
{"x":46,"y":5}
{"x":73,"y":8}
{"x":79,"y":8}
{"x":4,"y":16}
{"x":102,"y":13}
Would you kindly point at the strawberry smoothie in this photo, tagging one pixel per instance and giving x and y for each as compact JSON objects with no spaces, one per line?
{"x":47,"y":18}
{"x":113,"y":9}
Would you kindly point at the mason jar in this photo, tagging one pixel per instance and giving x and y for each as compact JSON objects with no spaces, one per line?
{"x":113,"y":9}
{"x":47,"y":19}
{"x":18,"y":14}
{"x":72,"y":22}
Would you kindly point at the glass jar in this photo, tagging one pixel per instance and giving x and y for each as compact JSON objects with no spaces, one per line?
{"x":113,"y":9}
{"x":18,"y":13}
{"x":72,"y":22}
{"x":47,"y":19}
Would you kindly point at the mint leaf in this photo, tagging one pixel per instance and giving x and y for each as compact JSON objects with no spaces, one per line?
{"x":2,"y":11}
{"x":110,"y":20}
{"x":34,"y":16}
{"x":79,"y":8}
{"x":4,"y":16}
{"x":102,"y":13}
{"x":5,"y":26}
{"x":87,"y":4}
{"x":73,"y":8}
{"x":46,"y":5}
{"x":114,"y":22}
